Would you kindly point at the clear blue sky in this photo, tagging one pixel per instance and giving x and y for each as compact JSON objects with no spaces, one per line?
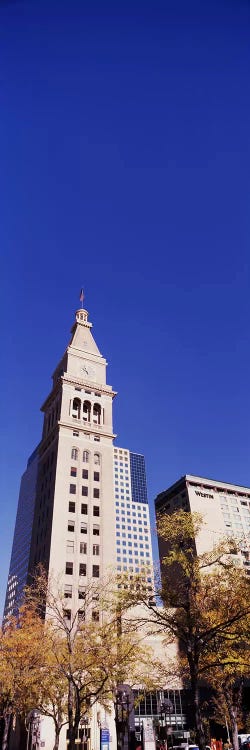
{"x":124,"y":140}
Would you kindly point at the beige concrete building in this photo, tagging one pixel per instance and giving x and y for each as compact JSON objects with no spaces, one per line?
{"x":225,"y":509}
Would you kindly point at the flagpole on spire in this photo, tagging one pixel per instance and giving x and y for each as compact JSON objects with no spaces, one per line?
{"x":81,"y":297}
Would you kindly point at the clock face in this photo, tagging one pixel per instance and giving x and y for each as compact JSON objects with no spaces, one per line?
{"x":88,"y":372}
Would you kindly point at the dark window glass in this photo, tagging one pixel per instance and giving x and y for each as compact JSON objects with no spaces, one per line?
{"x":96,"y":476}
{"x":96,"y":549}
{"x":72,"y":489}
{"x":71,"y":524}
{"x":96,"y":510}
{"x":85,"y":473}
{"x":95,"y":616}
{"x":85,"y":491}
{"x":84,"y":509}
{"x":95,"y":571}
{"x":96,"y":492}
{"x":83,"y":528}
{"x":82,"y":569}
{"x":83,"y":548}
{"x":96,"y":531}
{"x":69,"y":568}
{"x":72,"y":507}
{"x":73,"y":471}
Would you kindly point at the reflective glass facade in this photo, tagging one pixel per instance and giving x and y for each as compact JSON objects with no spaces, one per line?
{"x":19,"y":561}
{"x":138,"y":478}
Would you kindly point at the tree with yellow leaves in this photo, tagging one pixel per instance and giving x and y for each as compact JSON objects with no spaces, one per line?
{"x":205,"y":601}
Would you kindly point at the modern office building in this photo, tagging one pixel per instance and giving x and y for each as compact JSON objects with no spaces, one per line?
{"x":225,"y":509}
{"x":83,"y":505}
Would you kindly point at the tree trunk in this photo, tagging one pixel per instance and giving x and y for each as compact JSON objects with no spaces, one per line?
{"x":71,"y":730}
{"x":199,"y":730}
{"x":233,"y":698}
{"x":57,"y":736}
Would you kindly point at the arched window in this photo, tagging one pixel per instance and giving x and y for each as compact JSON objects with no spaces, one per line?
{"x":97,"y":414}
{"x":76,"y":408}
{"x":86,"y":411}
{"x":97,"y":459}
{"x":74,"y":454}
{"x":85,"y":457}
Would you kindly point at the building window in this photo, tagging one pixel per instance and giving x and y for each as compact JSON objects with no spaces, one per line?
{"x":80,"y":616}
{"x":69,"y":568}
{"x":85,"y":474}
{"x":83,"y":528}
{"x":72,"y":489}
{"x":71,"y":524}
{"x":84,"y":491}
{"x":84,"y":509}
{"x":95,"y":571}
{"x":67,"y":591}
{"x":97,"y":414}
{"x":97,"y":438}
{"x":67,"y":616}
{"x":83,"y":548}
{"x":73,"y":471}
{"x":96,"y":549}
{"x":96,"y":476}
{"x":82,"y":569}
{"x":96,"y":510}
{"x":97,"y":459}
{"x":75,"y":433}
{"x":85,"y":457}
{"x":81,"y":592}
{"x":96,"y":530}
{"x":72,"y":507}
{"x":86,"y":411}
{"x":96,"y":492}
{"x":74,"y":454}
{"x":95,"y":615}
{"x":76,"y":409}
{"x":70,"y":547}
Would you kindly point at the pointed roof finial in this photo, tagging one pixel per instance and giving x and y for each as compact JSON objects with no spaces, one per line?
{"x":81,"y":297}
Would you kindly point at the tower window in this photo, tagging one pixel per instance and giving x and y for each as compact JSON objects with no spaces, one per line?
{"x":70,"y":546}
{"x":73,"y":471}
{"x":72,"y":507}
{"x":97,"y":414}
{"x":85,"y":473}
{"x":68,"y":591}
{"x":84,"y":509}
{"x":85,"y":457}
{"x":72,"y":489}
{"x":81,"y":592}
{"x":85,"y":491}
{"x":95,"y":615}
{"x":83,"y":548}
{"x":96,"y":492}
{"x":83,"y":528}
{"x":96,"y":571}
{"x":97,"y":459}
{"x":86,"y":411}
{"x":67,"y":616}
{"x":96,"y":476}
{"x":74,"y":454}
{"x":76,"y":409}
{"x":96,"y":530}
{"x":82,"y":569}
{"x":96,"y":549}
{"x":69,"y":568}
{"x":96,"y":510}
{"x":71,"y":524}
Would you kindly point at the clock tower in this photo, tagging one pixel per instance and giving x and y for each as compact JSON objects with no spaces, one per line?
{"x":74,"y":519}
